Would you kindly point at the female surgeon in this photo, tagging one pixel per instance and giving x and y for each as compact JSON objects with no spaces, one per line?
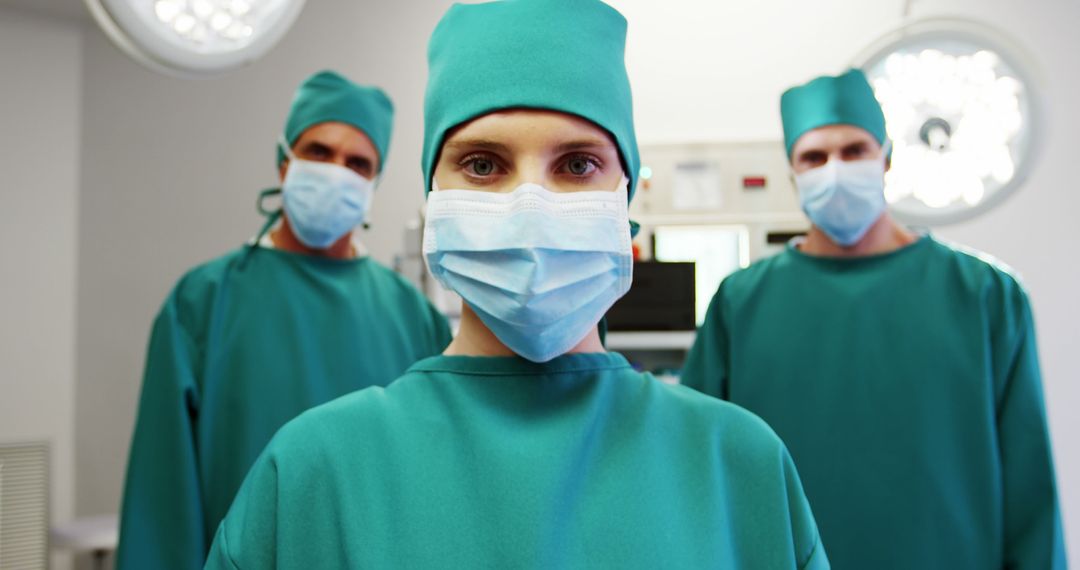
{"x":525,"y":445}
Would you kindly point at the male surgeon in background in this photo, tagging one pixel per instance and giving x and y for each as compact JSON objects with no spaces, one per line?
{"x":900,"y":371}
{"x":248,"y":341}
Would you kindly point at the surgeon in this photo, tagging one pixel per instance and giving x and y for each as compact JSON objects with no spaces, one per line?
{"x":901,"y":371}
{"x":525,"y":445}
{"x":248,"y":341}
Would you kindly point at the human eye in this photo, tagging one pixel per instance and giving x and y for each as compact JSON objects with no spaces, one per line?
{"x":316,"y":151}
{"x":480,"y":167}
{"x":856,"y":152}
{"x":813,"y":159}
{"x":581,"y":165}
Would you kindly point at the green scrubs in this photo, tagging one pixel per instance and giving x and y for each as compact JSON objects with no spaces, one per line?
{"x":239,"y":349}
{"x":907,"y":387}
{"x":498,"y":462}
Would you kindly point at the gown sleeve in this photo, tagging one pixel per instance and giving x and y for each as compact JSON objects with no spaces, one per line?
{"x":809,"y":553}
{"x":162,"y":517}
{"x":246,"y":537}
{"x":1033,"y":532}
{"x":705,"y":369}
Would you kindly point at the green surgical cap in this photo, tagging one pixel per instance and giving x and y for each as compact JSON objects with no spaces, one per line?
{"x":559,"y":55}
{"x":843,"y":100}
{"x":329,"y":97}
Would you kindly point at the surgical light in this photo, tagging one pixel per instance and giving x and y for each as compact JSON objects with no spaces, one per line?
{"x":195,"y":38}
{"x":961,"y":109}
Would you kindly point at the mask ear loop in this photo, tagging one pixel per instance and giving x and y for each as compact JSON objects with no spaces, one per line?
{"x":366,"y":225}
{"x":886,"y":151}
{"x":268,"y":193}
{"x":285,"y":148}
{"x":272,"y":216}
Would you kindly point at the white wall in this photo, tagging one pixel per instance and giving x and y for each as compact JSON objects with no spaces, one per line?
{"x":171,"y":167}
{"x":40,"y":101}
{"x":729,"y":62}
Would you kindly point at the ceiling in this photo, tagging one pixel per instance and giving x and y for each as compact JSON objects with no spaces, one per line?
{"x":58,"y":8}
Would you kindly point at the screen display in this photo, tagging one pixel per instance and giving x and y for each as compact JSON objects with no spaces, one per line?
{"x":717,"y":251}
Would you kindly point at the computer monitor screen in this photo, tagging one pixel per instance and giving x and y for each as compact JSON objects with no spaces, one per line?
{"x":717,"y":251}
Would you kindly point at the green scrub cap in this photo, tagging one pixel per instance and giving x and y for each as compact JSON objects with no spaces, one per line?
{"x":559,"y":55}
{"x":843,"y":100}
{"x":329,"y":97}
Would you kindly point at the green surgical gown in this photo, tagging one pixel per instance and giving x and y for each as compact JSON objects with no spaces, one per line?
{"x":238,"y":350}
{"x":907,"y":387}
{"x":497,"y":462}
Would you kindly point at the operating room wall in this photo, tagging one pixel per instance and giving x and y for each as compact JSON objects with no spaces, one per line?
{"x":171,"y":167}
{"x":39,"y":161}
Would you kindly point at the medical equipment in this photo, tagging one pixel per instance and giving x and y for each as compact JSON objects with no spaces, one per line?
{"x":195,"y":38}
{"x":961,"y":104}
{"x":661,"y":298}
{"x":719,"y":205}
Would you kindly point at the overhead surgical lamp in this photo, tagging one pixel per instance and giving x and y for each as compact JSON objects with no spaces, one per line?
{"x":195,"y":38}
{"x":961,"y":108}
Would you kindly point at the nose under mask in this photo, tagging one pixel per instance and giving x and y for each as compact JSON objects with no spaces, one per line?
{"x":539,"y":268}
{"x":323,"y":201}
{"x":844,"y":199}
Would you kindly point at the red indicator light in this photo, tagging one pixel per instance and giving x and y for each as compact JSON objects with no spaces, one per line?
{"x":749,"y":182}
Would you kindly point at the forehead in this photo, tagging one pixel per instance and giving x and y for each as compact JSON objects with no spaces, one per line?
{"x":342,"y":136}
{"x":521,"y":128}
{"x":832,"y":137}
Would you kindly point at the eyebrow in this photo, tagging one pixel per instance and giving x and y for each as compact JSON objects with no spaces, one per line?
{"x":584,"y":144}
{"x":491,"y":145}
{"x":362,"y":160}
{"x":812,"y":153}
{"x":479,"y":143}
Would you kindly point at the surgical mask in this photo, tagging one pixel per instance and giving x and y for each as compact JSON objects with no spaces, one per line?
{"x":323,"y":201}
{"x":844,"y":199}
{"x":539,"y":268}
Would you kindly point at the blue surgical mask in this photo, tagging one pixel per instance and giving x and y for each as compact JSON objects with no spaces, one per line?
{"x":844,"y":199}
{"x":323,"y":201}
{"x":539,"y":268}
